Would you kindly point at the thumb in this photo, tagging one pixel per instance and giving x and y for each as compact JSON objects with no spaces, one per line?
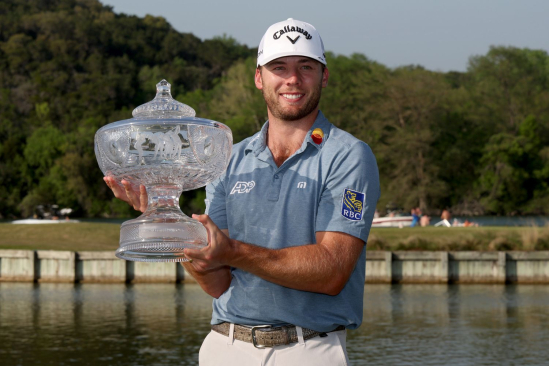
{"x":208,"y":224}
{"x":204,"y":220}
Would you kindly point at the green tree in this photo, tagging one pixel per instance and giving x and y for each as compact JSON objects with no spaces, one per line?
{"x":414,"y":101}
{"x":511,"y":168}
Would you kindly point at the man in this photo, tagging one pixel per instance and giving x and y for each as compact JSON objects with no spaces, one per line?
{"x":416,"y":213}
{"x":287,"y":223}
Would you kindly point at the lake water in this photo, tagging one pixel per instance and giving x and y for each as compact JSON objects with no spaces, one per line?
{"x":163,"y":324}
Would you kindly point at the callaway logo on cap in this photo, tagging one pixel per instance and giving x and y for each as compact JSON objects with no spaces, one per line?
{"x":290,"y":38}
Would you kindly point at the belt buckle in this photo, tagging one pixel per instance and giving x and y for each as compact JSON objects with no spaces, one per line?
{"x":254,"y":328}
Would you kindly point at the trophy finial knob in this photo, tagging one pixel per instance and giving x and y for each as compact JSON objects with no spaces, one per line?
{"x":163,"y":105}
{"x":163,"y":88}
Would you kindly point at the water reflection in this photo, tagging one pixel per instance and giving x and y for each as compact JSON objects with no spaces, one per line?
{"x":164,"y":324}
{"x":59,"y":324}
{"x":457,"y":325}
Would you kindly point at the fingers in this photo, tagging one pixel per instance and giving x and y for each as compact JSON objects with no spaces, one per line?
{"x":194,"y":259}
{"x":193,"y":254}
{"x":137,"y":199}
{"x":199,"y":255}
{"x":214,"y":254}
{"x":143,"y":198}
{"x":118,"y":191}
{"x":133,"y":199}
{"x":200,"y":265}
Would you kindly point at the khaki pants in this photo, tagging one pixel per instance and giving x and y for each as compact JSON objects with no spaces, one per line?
{"x":219,"y":350}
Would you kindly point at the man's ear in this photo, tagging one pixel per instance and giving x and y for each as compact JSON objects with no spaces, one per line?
{"x":325,"y":76}
{"x":258,"y":80}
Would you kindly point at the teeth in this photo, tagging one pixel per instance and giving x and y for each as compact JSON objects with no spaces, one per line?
{"x":292,"y":96}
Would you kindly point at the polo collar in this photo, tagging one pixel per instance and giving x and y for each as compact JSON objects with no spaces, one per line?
{"x":259,"y":142}
{"x":324,"y":125}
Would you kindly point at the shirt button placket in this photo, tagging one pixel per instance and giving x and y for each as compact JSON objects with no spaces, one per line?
{"x":274,"y":190}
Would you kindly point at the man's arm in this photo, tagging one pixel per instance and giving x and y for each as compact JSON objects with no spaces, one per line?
{"x":324,"y":267}
{"x":214,"y":281}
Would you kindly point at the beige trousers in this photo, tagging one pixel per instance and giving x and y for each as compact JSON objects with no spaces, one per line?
{"x":219,"y":350}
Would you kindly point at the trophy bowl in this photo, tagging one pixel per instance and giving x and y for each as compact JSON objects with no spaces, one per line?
{"x":168,"y":150}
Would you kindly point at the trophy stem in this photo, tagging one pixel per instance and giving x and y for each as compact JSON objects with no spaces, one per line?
{"x":162,"y":232}
{"x":163,"y":201}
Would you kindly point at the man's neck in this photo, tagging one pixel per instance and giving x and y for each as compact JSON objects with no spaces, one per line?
{"x":284,"y":138}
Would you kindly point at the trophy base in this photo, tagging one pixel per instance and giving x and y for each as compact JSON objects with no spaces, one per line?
{"x":160,"y":239}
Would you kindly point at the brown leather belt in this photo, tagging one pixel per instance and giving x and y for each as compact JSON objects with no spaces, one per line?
{"x":266,"y":336}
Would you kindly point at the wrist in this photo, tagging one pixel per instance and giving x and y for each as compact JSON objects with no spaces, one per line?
{"x":232,"y":252}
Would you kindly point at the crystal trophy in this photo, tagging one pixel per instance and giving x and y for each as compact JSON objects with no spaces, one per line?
{"x":168,"y":150}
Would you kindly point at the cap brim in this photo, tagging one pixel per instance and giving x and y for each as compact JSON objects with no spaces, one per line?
{"x":292,"y":53}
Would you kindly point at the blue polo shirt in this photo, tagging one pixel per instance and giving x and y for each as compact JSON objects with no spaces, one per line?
{"x":328,"y":186}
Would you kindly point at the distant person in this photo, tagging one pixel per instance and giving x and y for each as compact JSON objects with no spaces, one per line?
{"x":416,"y":212}
{"x":445,"y":219}
{"x":468,"y":223}
{"x":425,"y":221}
{"x":446,"y":215}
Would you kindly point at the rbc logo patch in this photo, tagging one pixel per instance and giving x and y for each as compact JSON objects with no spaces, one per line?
{"x":353,"y":202}
{"x":243,"y":187}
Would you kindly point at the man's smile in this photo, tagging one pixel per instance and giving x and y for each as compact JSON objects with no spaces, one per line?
{"x":292,"y":96}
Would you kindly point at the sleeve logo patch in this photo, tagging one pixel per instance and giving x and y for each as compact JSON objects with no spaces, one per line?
{"x":353,"y":202}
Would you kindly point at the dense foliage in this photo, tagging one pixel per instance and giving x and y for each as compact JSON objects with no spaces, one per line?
{"x":476,"y":142}
{"x":68,"y":67}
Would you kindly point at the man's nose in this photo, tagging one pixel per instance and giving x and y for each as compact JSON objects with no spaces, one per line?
{"x":294,"y":77}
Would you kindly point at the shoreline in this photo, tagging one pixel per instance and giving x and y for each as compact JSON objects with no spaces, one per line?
{"x":466,"y":267}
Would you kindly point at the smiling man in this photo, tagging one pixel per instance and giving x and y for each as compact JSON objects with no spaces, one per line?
{"x":286,"y":258}
{"x":288,"y":221}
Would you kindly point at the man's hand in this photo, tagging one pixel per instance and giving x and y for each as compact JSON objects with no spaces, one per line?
{"x":136,"y":198}
{"x":207,"y":265}
{"x":215,"y":254}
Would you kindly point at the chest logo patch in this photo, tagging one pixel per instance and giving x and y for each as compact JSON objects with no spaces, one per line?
{"x":243,"y":187}
{"x":353,"y":203}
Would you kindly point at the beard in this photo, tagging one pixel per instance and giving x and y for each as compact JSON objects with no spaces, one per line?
{"x":292,"y":114}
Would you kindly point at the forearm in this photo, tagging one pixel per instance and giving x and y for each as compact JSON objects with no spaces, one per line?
{"x":304,"y":268}
{"x":313,"y":268}
{"x":214,"y":282}
{"x":323,"y":267}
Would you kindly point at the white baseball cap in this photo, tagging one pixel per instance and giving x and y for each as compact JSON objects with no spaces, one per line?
{"x":290,"y":38}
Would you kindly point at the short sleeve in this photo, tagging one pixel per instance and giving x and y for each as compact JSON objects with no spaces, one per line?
{"x":350,"y":192}
{"x":216,"y":206}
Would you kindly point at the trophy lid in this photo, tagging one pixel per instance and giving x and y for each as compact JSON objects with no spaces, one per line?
{"x":163,"y":105}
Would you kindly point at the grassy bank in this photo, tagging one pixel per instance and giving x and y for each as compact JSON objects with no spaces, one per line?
{"x":489,"y":238}
{"x":62,"y":236}
{"x":100,"y":236}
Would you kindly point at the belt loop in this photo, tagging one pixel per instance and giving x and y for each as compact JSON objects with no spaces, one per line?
{"x":231,"y":334}
{"x":299,"y":332}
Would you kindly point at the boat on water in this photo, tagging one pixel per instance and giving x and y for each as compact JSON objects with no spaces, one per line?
{"x":48,"y":214}
{"x":392,"y":221}
{"x":44,"y":221}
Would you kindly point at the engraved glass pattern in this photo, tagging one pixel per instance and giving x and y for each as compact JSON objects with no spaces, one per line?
{"x":168,"y":150}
